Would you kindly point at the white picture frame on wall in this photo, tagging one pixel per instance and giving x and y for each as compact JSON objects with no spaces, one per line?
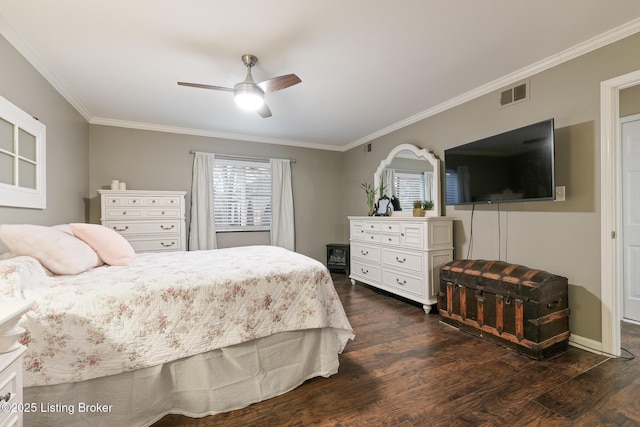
{"x":23,"y":156}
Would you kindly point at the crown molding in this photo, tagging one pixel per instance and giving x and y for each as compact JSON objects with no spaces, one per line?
{"x":580,"y":49}
{"x":28,"y":52}
{"x":211,"y":134}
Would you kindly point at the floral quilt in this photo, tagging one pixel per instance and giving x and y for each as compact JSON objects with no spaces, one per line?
{"x":165,"y":306}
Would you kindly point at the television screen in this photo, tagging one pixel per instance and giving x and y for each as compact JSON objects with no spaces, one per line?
{"x":513,"y":166}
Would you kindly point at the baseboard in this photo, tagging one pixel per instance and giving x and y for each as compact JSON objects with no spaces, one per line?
{"x":586,"y":344}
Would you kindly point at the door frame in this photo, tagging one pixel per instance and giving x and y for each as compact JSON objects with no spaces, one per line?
{"x":610,"y":209}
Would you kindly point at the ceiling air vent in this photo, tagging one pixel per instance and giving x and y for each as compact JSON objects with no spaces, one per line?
{"x":519,"y":92}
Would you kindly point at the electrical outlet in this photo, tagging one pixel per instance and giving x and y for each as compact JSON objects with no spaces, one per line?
{"x":560,"y":193}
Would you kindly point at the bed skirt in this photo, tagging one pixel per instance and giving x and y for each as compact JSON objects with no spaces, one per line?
{"x":196,"y":386}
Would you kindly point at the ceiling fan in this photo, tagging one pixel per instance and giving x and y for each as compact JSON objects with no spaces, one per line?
{"x":248,"y":94}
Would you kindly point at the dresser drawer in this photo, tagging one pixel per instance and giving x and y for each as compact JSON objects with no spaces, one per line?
{"x":156,"y":245}
{"x":390,"y":239}
{"x":163,"y":213}
{"x":403,"y":260}
{"x":364,"y":252}
{"x":365,"y":271}
{"x":410,"y":284}
{"x":371,"y":226}
{"x":124,"y":213}
{"x":161,"y":201}
{"x":390,"y":227}
{"x":357,"y":230}
{"x":11,"y":384}
{"x":141,"y":227}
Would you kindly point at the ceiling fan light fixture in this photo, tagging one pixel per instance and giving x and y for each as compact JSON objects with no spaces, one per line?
{"x":248,"y":96}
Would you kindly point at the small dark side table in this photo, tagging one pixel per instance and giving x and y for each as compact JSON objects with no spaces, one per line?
{"x":338,"y":257}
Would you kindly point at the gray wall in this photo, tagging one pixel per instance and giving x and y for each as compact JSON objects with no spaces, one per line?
{"x":67,"y":142}
{"x":148,"y":160}
{"x":561,"y":237}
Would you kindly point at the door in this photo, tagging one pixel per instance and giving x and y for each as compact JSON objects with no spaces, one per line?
{"x":630,"y":153}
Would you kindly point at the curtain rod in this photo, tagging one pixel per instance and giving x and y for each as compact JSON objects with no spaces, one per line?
{"x":232,"y":156}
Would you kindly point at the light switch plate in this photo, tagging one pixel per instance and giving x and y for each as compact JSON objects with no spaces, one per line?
{"x":560,"y":194}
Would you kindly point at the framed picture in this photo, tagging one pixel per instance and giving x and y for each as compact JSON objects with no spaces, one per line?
{"x":383,"y":206}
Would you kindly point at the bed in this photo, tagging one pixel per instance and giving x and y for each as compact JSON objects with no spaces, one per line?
{"x":194,"y":333}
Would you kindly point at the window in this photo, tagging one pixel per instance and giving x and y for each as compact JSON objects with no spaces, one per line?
{"x":241,"y":195}
{"x":22,"y":158}
{"x":407,"y":187}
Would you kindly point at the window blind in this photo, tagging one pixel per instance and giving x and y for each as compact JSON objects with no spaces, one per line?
{"x":241,"y":195}
{"x":408,"y":186}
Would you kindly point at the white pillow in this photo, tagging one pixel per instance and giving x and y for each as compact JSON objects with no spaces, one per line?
{"x":57,"y":251}
{"x":111,"y":246}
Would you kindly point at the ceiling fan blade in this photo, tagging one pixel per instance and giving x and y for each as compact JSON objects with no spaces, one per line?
{"x":202,"y":86}
{"x":278,"y":83}
{"x":264,"y":111}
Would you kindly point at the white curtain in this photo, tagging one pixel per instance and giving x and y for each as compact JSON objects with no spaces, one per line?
{"x":282,"y":224}
{"x":202,"y":233}
{"x":428,"y":185}
{"x":387,"y":181}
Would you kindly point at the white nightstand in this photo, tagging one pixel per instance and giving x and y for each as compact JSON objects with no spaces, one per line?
{"x":11,"y":387}
{"x":11,"y":354}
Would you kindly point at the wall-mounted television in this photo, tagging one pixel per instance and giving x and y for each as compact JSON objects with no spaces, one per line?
{"x":513,"y":166}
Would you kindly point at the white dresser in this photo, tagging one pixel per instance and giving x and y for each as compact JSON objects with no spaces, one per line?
{"x":150,"y":220}
{"x":401,"y":255}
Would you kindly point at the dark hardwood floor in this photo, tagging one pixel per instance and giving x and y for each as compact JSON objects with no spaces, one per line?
{"x":406,"y":368}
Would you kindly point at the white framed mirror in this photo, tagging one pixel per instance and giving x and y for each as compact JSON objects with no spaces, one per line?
{"x":410,"y":173}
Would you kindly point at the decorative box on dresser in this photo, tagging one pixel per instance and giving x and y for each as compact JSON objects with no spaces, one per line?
{"x":150,"y":220}
{"x":401,"y":255}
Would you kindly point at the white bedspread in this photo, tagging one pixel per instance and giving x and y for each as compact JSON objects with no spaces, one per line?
{"x":165,"y":306}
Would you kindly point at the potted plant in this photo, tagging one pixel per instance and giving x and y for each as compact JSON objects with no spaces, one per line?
{"x":427,"y":205}
{"x":417,"y":208}
{"x":370,"y":194}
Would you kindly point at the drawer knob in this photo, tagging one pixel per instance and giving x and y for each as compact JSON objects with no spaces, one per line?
{"x":121,"y":229}
{"x":401,"y":261}
{"x":6,"y":397}
{"x":364,"y":271}
{"x":401,"y":283}
{"x":153,"y":201}
{"x":166,"y":228}
{"x":167,"y":245}
{"x":124,"y":213}
{"x":364,"y":252}
{"x":134,"y":201}
{"x":162,"y":212}
{"x":113,"y":201}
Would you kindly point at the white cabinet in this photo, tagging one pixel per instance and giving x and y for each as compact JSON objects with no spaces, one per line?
{"x":11,"y":387}
{"x":150,"y":220}
{"x":401,"y":255}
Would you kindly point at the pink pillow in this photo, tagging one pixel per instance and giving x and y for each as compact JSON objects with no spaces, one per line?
{"x":111,"y":246}
{"x":57,"y":251}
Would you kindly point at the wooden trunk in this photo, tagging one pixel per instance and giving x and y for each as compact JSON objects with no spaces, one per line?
{"x":521,"y":308}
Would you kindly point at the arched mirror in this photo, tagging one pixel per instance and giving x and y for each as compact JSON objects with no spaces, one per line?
{"x":410,"y":173}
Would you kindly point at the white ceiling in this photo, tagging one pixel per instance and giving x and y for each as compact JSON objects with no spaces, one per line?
{"x":367,"y":66}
